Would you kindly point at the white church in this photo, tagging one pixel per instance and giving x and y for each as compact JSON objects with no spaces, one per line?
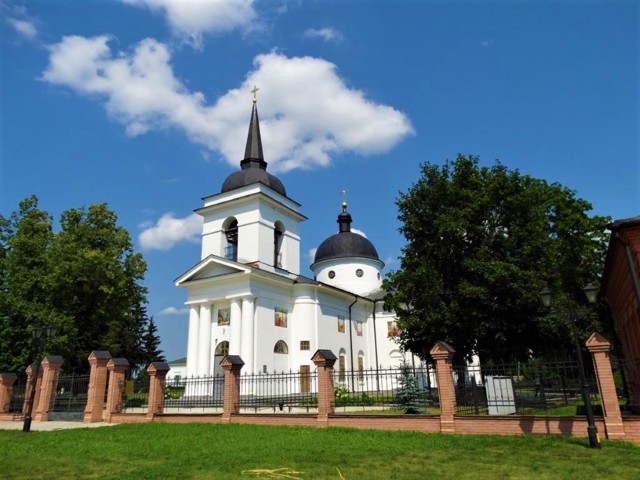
{"x":247,"y":297}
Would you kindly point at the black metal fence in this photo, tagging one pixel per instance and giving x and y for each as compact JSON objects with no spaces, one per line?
{"x":16,"y":401}
{"x":406,"y":389}
{"x":194,"y":393}
{"x":293,"y":392}
{"x":136,"y":397}
{"x":533,"y":388}
{"x":622,"y":371}
{"x":71,"y":398}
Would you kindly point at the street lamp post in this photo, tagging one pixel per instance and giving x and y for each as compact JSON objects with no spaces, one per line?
{"x":41,"y":335}
{"x":591,"y":293}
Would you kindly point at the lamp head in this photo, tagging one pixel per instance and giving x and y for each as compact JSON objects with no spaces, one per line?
{"x":545,"y":295}
{"x":591,"y":292}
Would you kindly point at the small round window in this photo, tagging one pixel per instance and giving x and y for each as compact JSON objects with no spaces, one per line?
{"x":359,"y":272}
{"x":332,"y":274}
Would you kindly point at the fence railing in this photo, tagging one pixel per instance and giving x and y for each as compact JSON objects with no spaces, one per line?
{"x":398,"y":390}
{"x":16,"y":402}
{"x":292,"y":392}
{"x":136,"y":397}
{"x":195,"y":393}
{"x":71,"y":397}
{"x":544,"y":388}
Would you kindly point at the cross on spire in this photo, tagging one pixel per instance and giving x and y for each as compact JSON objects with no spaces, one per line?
{"x":344,"y":199}
{"x":255,"y":93}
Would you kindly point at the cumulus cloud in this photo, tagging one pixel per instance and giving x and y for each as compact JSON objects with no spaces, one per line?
{"x":169,"y":231}
{"x":327,"y":34}
{"x":190,"y":19}
{"x":307,"y":112}
{"x":173,"y":311}
{"x":312,"y":254}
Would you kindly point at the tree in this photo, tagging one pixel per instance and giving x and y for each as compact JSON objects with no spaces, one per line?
{"x":25,"y":238}
{"x":481,"y":242}
{"x":86,"y":279}
{"x":151,"y":344}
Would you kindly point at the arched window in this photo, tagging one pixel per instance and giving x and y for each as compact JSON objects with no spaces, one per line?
{"x":231,"y":234}
{"x":222,"y":348}
{"x":278,"y":235}
{"x":281,"y":347}
{"x":361,"y":366}
{"x":342,"y":365}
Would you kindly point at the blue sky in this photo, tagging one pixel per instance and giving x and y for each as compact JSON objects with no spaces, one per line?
{"x":145,"y":104}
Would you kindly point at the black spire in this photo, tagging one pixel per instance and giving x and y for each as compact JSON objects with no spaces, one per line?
{"x":253,"y":169}
{"x":253,"y":156}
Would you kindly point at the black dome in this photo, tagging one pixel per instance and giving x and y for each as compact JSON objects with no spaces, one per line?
{"x":345,"y":243}
{"x":250,"y":175}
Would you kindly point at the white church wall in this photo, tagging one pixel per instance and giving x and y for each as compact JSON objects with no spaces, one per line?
{"x":271,"y":309}
{"x":345,"y":274}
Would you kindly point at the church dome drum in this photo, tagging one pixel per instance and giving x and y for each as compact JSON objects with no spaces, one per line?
{"x":348,"y":260}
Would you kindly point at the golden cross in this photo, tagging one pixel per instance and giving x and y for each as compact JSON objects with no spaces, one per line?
{"x":255,"y":91}
{"x":344,"y":197}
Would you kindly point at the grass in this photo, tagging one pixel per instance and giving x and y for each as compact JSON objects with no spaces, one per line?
{"x":213,"y":451}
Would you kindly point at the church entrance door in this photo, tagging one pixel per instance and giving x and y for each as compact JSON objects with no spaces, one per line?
{"x":305,"y":379}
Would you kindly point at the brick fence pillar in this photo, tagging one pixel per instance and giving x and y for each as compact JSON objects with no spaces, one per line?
{"x":98,"y":360}
{"x":442,"y":353}
{"x":6,"y":388}
{"x":232,"y":366}
{"x":599,"y":348}
{"x":117,"y":368}
{"x":28,"y":389}
{"x":50,"y":372}
{"x":157,"y":380}
{"x":324,"y":361}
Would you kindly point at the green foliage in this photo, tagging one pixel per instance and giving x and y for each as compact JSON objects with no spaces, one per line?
{"x":86,"y":279}
{"x":481,"y":243}
{"x":408,"y":392}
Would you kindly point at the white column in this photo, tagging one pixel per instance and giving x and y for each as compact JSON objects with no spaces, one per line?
{"x":204,"y":344}
{"x":246,"y":342}
{"x":235,"y":327}
{"x":192,"y":344}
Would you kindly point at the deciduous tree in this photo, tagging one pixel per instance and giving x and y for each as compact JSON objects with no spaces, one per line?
{"x":482,"y":241}
{"x":86,"y":279}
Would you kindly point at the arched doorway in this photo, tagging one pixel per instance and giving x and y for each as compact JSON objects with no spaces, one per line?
{"x":221,"y":350}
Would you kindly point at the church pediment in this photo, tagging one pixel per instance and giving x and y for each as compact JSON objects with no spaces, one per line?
{"x":211,"y":267}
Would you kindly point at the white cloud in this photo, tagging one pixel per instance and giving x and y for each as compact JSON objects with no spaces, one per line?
{"x":25,"y":28}
{"x":307,"y":113}
{"x":169,"y":231}
{"x":327,"y":34}
{"x":190,"y":19}
{"x":359,"y":232}
{"x":312,"y":254}
{"x":173,"y":311}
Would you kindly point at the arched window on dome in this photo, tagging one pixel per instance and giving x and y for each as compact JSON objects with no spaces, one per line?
{"x":231,"y":235}
{"x":278,"y":236}
{"x":281,"y":347}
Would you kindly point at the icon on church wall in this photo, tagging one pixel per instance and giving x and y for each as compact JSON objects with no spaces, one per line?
{"x":359,"y":329}
{"x":392,"y":329}
{"x":224,"y":316}
{"x":341,"y":328}
{"x":281,"y":317}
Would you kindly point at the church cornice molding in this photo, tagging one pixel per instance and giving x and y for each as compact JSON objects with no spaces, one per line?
{"x":248,"y":194}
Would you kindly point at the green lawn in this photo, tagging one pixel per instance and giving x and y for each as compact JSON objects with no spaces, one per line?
{"x":201,"y":451}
